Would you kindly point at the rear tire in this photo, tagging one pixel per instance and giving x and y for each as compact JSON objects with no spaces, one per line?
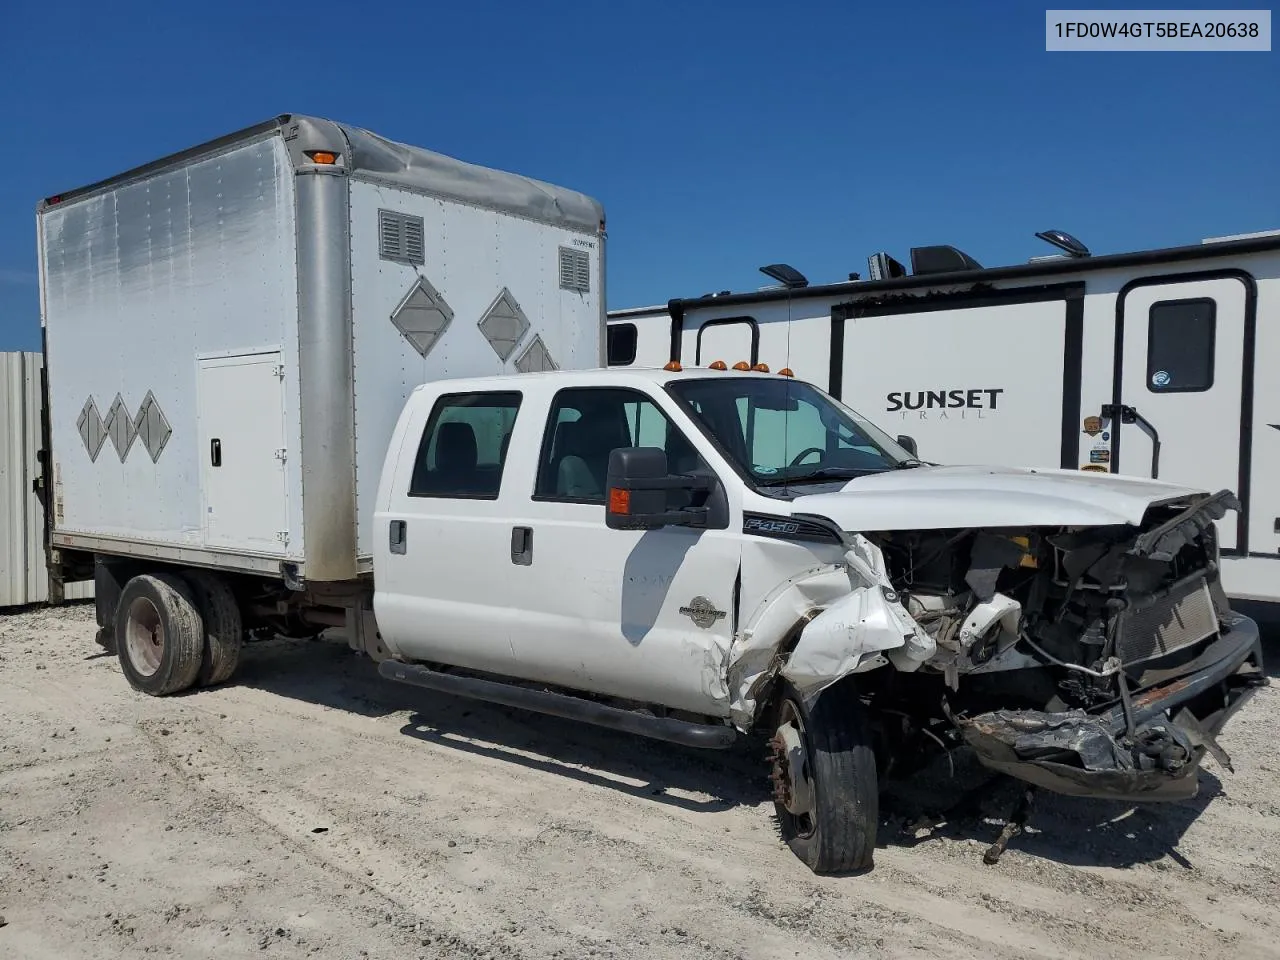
{"x":223,"y":627}
{"x":837,"y":833}
{"x":159,"y":634}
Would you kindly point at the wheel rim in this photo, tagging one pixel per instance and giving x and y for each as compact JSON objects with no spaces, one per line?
{"x":144,"y":636}
{"x":790,"y":773}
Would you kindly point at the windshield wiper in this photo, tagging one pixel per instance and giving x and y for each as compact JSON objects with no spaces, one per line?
{"x":822,"y":473}
{"x":908,"y":464}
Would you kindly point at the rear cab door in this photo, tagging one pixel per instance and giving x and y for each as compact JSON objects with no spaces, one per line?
{"x":442,"y":533}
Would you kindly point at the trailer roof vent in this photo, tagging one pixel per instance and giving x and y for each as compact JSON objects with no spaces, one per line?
{"x":422,"y":316}
{"x":401,"y":238}
{"x":941,"y":259}
{"x":575,"y":270}
{"x":504,"y":324}
{"x":785,"y":274}
{"x":881,"y":266}
{"x":536,"y":358}
{"x":1064,"y":242}
{"x":92,"y":430}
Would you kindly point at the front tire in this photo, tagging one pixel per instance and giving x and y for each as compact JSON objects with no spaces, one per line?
{"x":159,"y":634}
{"x":826,"y":791}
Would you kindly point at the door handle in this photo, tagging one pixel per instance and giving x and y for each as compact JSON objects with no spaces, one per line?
{"x":215,"y":452}
{"x":522,"y":546}
{"x":1123,"y":413}
{"x":399,"y":536}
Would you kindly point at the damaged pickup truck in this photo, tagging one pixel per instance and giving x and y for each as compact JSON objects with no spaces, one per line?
{"x":701,"y":555}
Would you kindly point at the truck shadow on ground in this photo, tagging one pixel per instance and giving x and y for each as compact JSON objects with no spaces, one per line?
{"x":328,"y":674}
{"x":1068,"y":830}
{"x":1063,"y":829}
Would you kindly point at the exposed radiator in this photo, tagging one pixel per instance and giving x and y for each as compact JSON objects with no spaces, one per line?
{"x":1184,"y":617}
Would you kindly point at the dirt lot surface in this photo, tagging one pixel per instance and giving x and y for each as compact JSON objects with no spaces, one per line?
{"x":311,"y":809}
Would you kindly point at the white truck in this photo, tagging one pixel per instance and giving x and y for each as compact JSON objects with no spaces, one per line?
{"x":701,"y":556}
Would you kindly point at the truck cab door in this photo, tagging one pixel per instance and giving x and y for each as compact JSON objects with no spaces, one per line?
{"x":1181,"y":370}
{"x":642,"y":615}
{"x":442,"y":534}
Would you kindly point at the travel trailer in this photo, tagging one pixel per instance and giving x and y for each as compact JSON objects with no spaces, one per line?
{"x":1156,"y":363}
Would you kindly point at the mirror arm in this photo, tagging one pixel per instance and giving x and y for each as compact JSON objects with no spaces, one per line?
{"x":676,"y":482}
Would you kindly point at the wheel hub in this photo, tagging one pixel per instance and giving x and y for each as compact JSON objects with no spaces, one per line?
{"x":789,"y":770}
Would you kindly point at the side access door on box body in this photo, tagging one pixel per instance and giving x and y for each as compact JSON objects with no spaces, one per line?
{"x":496,"y":556}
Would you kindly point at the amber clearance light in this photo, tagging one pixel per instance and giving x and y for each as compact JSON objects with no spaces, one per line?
{"x":742,"y":365}
{"x":619,"y":501}
{"x":673,"y":366}
{"x":322,"y":157}
{"x":718,"y":365}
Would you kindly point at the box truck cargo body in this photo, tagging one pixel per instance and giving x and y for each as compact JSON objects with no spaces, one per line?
{"x":232,"y":331}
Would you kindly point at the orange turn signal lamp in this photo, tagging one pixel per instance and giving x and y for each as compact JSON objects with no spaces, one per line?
{"x":619,"y":501}
{"x":718,"y":365}
{"x":324,"y":157}
{"x":673,"y":366}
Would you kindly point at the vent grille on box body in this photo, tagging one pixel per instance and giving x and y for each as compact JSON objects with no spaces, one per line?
{"x":575,"y":270}
{"x":401,"y":238}
{"x":1184,"y":617}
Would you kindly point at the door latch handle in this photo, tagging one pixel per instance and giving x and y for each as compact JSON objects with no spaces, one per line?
{"x":215,"y":452}
{"x":1123,"y":413}
{"x":399,"y":536}
{"x":522,"y":546}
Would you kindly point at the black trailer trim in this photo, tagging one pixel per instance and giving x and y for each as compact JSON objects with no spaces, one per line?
{"x":724,"y":322}
{"x":675,"y":309}
{"x":1068,"y":265}
{"x":1072,"y":294}
{"x":1241,"y":549}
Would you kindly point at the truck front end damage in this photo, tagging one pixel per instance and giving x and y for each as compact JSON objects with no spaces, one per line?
{"x":1091,"y":660}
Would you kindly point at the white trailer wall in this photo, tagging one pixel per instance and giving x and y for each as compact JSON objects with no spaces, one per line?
{"x":484,"y":299}
{"x":23,"y":577}
{"x":140,"y":281}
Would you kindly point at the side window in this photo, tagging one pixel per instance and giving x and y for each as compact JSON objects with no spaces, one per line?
{"x":621,"y":344}
{"x":464,"y":446}
{"x":1180,"y":340}
{"x":586,"y":425}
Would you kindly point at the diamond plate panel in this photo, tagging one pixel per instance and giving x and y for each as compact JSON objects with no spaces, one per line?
{"x":92,"y":430}
{"x":120,"y":428}
{"x":152,"y":426}
{"x":536,"y":358}
{"x":422,"y":316}
{"x":504,"y":324}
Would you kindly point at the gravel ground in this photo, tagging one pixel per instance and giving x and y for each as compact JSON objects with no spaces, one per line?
{"x":310,"y":809}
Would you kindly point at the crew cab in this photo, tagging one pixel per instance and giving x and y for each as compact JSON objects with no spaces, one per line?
{"x":702,"y":555}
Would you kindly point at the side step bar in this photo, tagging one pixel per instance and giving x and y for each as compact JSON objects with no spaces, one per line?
{"x":705,"y":735}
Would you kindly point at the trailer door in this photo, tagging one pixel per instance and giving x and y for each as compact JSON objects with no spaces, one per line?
{"x":1181,"y":369}
{"x":242,"y":480}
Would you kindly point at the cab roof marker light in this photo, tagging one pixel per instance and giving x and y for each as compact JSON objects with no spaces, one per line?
{"x":761,"y":368}
{"x":742,"y":365}
{"x":673,"y":366}
{"x":718,"y":365}
{"x":786,"y":372}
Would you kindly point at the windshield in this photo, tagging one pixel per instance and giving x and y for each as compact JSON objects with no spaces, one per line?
{"x":782,"y":431}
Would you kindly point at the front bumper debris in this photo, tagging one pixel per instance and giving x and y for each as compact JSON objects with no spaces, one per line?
{"x":1174,"y":723}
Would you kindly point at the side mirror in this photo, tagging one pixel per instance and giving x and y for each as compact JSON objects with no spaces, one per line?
{"x":636,"y":491}
{"x":908,"y":444}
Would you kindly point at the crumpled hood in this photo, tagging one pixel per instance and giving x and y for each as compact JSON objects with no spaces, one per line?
{"x":940,"y":498}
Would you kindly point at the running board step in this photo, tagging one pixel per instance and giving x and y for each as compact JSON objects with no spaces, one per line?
{"x":705,"y":735}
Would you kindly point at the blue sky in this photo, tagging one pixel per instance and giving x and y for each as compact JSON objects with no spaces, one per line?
{"x":719,"y":136}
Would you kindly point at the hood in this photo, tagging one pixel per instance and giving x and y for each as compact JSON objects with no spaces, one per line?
{"x":941,"y":498}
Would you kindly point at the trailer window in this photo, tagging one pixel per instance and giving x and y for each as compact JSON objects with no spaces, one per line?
{"x":464,"y":446}
{"x":1180,"y":344}
{"x":621,"y":339}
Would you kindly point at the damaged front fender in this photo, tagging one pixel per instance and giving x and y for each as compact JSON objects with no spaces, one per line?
{"x":852,"y":620}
